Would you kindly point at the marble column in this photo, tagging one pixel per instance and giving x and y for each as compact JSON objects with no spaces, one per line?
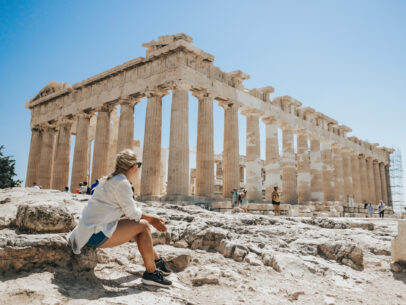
{"x":231,"y":154}
{"x":205,"y":146}
{"x":253,"y":153}
{"x":347,"y":172}
{"x":45,"y":163}
{"x":371,"y":181}
{"x":316,"y":184}
{"x":328,"y":171}
{"x":101,"y":143}
{"x":384,"y":189}
{"x":126,"y":125}
{"x":303,"y":168}
{"x":178,"y":163}
{"x":289,"y":178}
{"x":338,"y":173}
{"x":82,"y":151}
{"x":61,"y":167}
{"x":356,"y":178}
{"x":377,"y":179}
{"x":34,"y":157}
{"x":364,"y":179}
{"x":272,"y":162}
{"x":151,"y":155}
{"x":388,"y":185}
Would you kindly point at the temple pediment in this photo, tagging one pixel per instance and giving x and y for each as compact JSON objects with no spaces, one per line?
{"x":49,"y":89}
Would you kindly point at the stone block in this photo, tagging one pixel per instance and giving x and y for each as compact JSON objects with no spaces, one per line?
{"x":399,"y":243}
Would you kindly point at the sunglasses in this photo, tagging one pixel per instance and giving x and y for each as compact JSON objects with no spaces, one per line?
{"x":139,"y":164}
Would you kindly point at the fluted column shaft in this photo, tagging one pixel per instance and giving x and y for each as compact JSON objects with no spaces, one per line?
{"x":126,"y":126}
{"x":61,"y":167}
{"x":356,"y":178}
{"x":205,"y":147}
{"x":81,"y":154}
{"x":151,"y":155}
{"x":253,"y":165}
{"x":303,"y":168}
{"x":101,"y":144}
{"x":388,"y":185}
{"x":347,"y":172}
{"x":377,"y":179}
{"x":338,"y":174}
{"x":316,"y":184}
{"x":272,"y":162}
{"x":231,"y":154}
{"x":371,"y":181}
{"x":45,"y":164}
{"x":328,"y":171}
{"x":178,"y":164}
{"x":289,"y":179}
{"x":34,"y":157}
{"x":384,"y":189}
{"x":364,"y":179}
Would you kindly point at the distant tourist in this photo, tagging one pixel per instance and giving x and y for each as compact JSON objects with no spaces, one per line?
{"x":83,"y":188}
{"x":94,"y":186}
{"x":366,"y":209}
{"x":66,"y":189}
{"x":77,"y":191}
{"x":244,"y":201}
{"x":234,"y":198}
{"x":276,"y":200}
{"x":370,"y":209}
{"x":381,"y":209}
{"x":35,"y":186}
{"x":101,"y":225}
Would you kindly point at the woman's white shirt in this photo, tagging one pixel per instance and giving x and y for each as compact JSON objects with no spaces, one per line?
{"x":110,"y":201}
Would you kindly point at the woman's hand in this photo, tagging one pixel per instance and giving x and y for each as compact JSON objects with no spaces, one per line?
{"x":156,"y":222}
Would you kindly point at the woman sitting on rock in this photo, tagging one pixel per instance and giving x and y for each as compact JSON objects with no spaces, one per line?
{"x":101,"y":226}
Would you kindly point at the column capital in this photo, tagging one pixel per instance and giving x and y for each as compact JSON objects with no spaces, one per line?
{"x":228,"y":104}
{"x":269,"y":120}
{"x":105,"y":108}
{"x":361,"y":156}
{"x":182,"y":85}
{"x":302,"y":132}
{"x":156,"y":92}
{"x":286,"y":127}
{"x":85,"y":114}
{"x":250,"y":112}
{"x":130,"y":100}
{"x":201,"y":93}
{"x":375,"y":161}
{"x":369,"y":158}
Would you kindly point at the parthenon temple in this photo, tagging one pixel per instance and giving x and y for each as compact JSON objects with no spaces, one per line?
{"x":328,"y":165}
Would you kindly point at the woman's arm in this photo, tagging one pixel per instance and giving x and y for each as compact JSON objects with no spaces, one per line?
{"x":156,"y":222}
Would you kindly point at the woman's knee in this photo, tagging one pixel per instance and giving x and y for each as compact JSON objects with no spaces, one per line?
{"x":144,"y":224}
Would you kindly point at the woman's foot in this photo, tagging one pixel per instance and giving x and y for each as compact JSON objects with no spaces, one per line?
{"x":155,"y":279}
{"x":161,"y":266}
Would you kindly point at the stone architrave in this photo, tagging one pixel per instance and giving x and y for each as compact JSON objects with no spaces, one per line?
{"x":253,"y":163}
{"x":377,"y":179}
{"x":61,"y":167}
{"x":388,"y":185}
{"x":231,"y":154}
{"x":205,"y":146}
{"x":34,"y":157}
{"x":316,"y":184}
{"x":328,"y":171}
{"x":384,"y":189}
{"x":126,"y":125}
{"x":303,"y":168}
{"x":101,"y":143}
{"x":347,"y":172}
{"x":356,"y":177}
{"x":45,"y":164}
{"x":272,"y":162}
{"x":289,"y":179}
{"x":151,"y":155}
{"x":81,"y":154}
{"x":338,"y":173}
{"x":364,"y":179}
{"x":371,"y":181}
{"x":178,"y":163}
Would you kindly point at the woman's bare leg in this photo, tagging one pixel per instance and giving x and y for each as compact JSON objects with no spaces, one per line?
{"x":129,"y":229}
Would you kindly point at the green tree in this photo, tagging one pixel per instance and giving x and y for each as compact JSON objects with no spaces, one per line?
{"x":7,"y":171}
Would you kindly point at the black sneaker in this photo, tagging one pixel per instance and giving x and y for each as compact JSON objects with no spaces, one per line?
{"x":155,"y":279}
{"x":160,"y":264}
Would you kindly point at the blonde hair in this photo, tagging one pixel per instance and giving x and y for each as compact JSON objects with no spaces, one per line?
{"x":125,"y":160}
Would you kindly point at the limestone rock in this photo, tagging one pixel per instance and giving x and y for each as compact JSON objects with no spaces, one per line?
{"x":177,"y":259}
{"x":206,"y":276}
{"x":42,"y":218}
{"x":346,"y":254}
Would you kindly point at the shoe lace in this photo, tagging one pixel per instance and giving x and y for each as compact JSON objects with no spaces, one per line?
{"x":159,"y":274}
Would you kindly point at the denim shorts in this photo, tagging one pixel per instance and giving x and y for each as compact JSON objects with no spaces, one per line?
{"x":96,"y":240}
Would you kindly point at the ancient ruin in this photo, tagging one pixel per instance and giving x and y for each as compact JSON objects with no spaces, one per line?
{"x":334,"y":167}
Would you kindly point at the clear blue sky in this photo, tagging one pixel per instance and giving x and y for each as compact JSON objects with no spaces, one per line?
{"x":343,"y":58}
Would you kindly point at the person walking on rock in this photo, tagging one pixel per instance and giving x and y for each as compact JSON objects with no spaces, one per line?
{"x":276,"y":200}
{"x":370,"y":209}
{"x":234,"y":198}
{"x":381,"y":209}
{"x":244,"y":199}
{"x":100,"y":224}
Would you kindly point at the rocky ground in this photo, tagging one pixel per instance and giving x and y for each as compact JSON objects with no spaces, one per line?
{"x":230,"y":258}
